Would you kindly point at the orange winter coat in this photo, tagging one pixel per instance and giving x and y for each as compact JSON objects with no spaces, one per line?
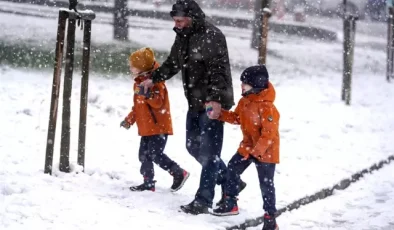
{"x":259,"y":120}
{"x":152,"y":115}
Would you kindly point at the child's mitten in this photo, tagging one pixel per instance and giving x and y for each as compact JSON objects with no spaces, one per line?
{"x":125,"y":124}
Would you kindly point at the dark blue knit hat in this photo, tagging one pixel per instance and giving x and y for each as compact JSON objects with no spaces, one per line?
{"x":256,"y":76}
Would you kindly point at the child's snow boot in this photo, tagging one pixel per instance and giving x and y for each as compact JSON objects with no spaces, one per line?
{"x":228,"y":208}
{"x":180,"y":177}
{"x":270,"y":223}
{"x":242,"y":186}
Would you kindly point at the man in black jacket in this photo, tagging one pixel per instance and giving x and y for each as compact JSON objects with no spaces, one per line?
{"x":200,"y":53}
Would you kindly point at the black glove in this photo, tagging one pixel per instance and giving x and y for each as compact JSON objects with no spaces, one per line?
{"x":125,"y":124}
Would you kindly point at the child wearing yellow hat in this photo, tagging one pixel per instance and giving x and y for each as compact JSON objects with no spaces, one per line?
{"x":151,"y":112}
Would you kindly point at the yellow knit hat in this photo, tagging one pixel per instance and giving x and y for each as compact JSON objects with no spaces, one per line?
{"x":143,"y":59}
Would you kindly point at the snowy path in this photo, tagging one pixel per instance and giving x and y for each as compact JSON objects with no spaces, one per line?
{"x":365,"y":205}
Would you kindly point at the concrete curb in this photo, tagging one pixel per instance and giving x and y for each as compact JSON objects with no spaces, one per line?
{"x":322,"y":194}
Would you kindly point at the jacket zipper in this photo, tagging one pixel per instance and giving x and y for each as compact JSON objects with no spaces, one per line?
{"x":152,"y":114}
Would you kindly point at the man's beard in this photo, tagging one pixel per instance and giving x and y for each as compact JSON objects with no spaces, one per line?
{"x":184,"y":32}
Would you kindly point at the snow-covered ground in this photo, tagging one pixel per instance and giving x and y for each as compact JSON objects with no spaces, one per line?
{"x":366,"y":205}
{"x":322,"y":140}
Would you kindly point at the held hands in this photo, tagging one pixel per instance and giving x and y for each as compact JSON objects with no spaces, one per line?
{"x":125,"y":124}
{"x":213,"y":109}
{"x":148,"y":83}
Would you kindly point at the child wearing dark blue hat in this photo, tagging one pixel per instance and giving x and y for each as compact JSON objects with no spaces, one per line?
{"x":259,"y":120}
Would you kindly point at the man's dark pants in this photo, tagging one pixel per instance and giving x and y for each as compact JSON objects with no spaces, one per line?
{"x":204,"y":140}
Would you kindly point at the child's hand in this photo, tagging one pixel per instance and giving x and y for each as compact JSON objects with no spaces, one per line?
{"x":213,"y":109}
{"x":125,"y":124}
{"x":208,"y":109}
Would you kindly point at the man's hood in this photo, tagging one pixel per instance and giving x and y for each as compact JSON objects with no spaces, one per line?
{"x":188,"y":8}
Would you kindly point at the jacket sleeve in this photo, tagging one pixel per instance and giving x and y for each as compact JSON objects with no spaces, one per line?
{"x":270,"y":125}
{"x":157,"y":96}
{"x":170,"y":66}
{"x":218,"y":67}
{"x":230,"y":116}
{"x":131,"y":116}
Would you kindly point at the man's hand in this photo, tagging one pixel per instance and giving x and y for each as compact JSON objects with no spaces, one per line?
{"x":147,"y":84}
{"x":213,"y":109}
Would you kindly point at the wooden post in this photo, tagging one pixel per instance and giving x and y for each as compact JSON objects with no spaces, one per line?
{"x":348,"y":56}
{"x":84,"y":93}
{"x":64,"y":165}
{"x":72,"y":15}
{"x":345,"y":56}
{"x":121,"y":28}
{"x":264,"y":37}
{"x":390,"y":45}
{"x":61,"y":26}
{"x":257,"y":27}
